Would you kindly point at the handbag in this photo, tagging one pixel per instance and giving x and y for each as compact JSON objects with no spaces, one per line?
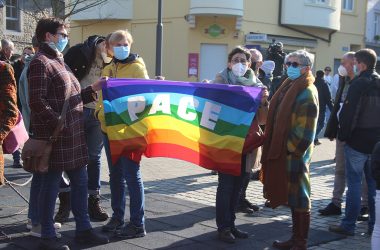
{"x":36,"y":153}
{"x":16,"y":137}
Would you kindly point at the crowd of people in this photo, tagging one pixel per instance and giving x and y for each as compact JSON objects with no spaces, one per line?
{"x":293,"y":111}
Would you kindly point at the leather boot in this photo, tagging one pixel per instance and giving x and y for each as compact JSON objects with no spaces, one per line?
{"x":95,"y":211}
{"x":64,"y":208}
{"x":286,"y":245}
{"x":302,"y":230}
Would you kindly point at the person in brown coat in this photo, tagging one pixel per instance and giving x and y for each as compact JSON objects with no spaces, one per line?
{"x":8,"y":107}
{"x":50,"y":81}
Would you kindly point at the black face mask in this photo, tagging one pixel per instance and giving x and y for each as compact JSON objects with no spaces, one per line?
{"x":253,"y":66}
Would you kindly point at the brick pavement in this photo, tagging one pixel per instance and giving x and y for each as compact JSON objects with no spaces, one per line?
{"x":180,"y":209}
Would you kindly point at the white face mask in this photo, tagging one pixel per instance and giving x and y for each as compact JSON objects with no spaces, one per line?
{"x":106,"y":59}
{"x":239,"y":69}
{"x":342,"y":71}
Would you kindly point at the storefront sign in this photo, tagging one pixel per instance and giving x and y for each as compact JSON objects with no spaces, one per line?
{"x":215,"y":31}
{"x":256,"y":38}
{"x":193,"y":64}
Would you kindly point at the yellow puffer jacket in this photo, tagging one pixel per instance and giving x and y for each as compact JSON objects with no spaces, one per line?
{"x":135,"y":69}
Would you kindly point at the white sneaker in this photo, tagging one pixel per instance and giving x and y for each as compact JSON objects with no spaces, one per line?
{"x":36,"y":232}
{"x":29,"y":225}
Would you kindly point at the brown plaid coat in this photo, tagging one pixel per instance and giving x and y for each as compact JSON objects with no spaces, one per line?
{"x":49,"y":80}
{"x":8,"y":107}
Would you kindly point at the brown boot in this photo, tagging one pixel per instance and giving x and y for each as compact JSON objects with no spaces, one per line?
{"x":64,"y":208}
{"x":302,"y":230}
{"x":95,"y":211}
{"x":286,"y":245}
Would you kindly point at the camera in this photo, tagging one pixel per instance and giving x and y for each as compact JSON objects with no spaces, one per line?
{"x":275,"y":53}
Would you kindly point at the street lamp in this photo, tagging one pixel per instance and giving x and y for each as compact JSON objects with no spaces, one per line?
{"x":159,"y":40}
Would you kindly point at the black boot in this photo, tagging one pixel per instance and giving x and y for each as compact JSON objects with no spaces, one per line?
{"x":52,"y":244}
{"x":64,"y":208}
{"x":90,"y":237}
{"x":95,"y":211}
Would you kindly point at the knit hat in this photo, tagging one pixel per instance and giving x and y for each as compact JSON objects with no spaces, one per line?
{"x":268,"y":67}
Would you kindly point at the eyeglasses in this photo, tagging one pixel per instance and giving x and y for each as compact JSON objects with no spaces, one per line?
{"x":239,"y":60}
{"x":294,"y":64}
{"x":62,"y":34}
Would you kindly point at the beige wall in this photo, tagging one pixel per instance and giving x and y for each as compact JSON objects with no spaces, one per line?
{"x":180,"y":39}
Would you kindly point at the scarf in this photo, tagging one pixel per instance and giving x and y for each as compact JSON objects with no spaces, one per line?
{"x":274,"y":166}
{"x":249,"y":78}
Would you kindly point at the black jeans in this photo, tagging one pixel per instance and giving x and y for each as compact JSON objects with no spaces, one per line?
{"x":227,"y":197}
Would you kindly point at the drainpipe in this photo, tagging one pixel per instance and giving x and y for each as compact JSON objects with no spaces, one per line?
{"x":301,"y":31}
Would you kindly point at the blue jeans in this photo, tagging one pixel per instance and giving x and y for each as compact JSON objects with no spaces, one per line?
{"x":35,"y":188}
{"x":16,"y":156}
{"x":94,"y":141}
{"x":49,"y":190}
{"x":356,"y":164}
{"x":125,"y":171}
{"x":227,"y":198}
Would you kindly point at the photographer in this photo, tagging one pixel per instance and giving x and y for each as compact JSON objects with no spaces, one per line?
{"x":275,"y":53}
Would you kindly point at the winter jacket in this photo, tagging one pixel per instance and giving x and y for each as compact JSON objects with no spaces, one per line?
{"x":359,"y":119}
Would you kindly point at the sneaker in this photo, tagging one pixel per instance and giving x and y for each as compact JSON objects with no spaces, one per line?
{"x":130,"y":231}
{"x":29,"y":225}
{"x":331,"y":209}
{"x":317,"y":142}
{"x":226,"y":236}
{"x":340,"y":230}
{"x":35,"y":231}
{"x":113,"y":225}
{"x":52,"y":244}
{"x":214,"y":172}
{"x":90,"y":237}
{"x":95,"y":211}
{"x":363,"y":216}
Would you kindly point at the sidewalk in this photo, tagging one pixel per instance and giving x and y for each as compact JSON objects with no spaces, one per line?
{"x":180,"y":212}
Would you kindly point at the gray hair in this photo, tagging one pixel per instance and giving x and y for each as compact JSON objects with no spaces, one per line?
{"x":5,"y":43}
{"x":256,"y":55}
{"x":349,"y":55}
{"x":305,"y":58}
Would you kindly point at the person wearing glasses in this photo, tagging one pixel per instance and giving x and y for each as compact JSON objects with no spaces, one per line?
{"x":289,"y":134}
{"x":50,"y":82}
{"x":238,"y":72}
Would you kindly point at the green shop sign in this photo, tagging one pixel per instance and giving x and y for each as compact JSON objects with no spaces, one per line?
{"x":215,"y":30}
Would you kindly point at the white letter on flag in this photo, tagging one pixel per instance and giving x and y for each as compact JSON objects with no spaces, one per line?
{"x":210,"y":115}
{"x":136,"y":105}
{"x":184,"y":102}
{"x":161,"y":103}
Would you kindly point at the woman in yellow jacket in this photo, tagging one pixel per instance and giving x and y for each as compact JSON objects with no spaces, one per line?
{"x":127,"y":168}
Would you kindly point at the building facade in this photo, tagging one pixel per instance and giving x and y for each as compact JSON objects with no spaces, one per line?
{"x":372,"y":36}
{"x":198,"y":34}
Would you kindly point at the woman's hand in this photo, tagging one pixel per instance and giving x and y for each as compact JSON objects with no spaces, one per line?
{"x":96,"y":86}
{"x":264,"y":97}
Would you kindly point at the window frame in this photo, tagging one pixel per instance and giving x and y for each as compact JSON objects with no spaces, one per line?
{"x":346,"y":2}
{"x":10,"y":10}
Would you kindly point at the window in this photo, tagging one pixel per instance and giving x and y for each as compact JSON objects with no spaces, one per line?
{"x":348,"y":5}
{"x":376,"y":31}
{"x":12,"y":15}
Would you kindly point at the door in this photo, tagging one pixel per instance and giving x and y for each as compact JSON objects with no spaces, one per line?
{"x":213,"y":59}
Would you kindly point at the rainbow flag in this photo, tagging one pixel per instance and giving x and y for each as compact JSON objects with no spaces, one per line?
{"x":205,"y":124}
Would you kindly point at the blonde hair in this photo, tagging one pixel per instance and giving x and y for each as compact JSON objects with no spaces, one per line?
{"x":119,"y":35}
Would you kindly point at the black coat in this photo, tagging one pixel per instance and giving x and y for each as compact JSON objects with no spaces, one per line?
{"x":80,"y":57}
{"x":324,"y":95}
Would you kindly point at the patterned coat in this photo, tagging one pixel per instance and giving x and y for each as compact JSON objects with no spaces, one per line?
{"x":49,"y":80}
{"x":8,"y":107}
{"x":300,"y":145}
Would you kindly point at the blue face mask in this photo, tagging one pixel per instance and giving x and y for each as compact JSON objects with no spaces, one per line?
{"x":61,"y":44}
{"x":121,"y":52}
{"x":293,"y":72}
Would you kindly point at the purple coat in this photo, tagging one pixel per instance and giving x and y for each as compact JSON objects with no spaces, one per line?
{"x":49,"y":80}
